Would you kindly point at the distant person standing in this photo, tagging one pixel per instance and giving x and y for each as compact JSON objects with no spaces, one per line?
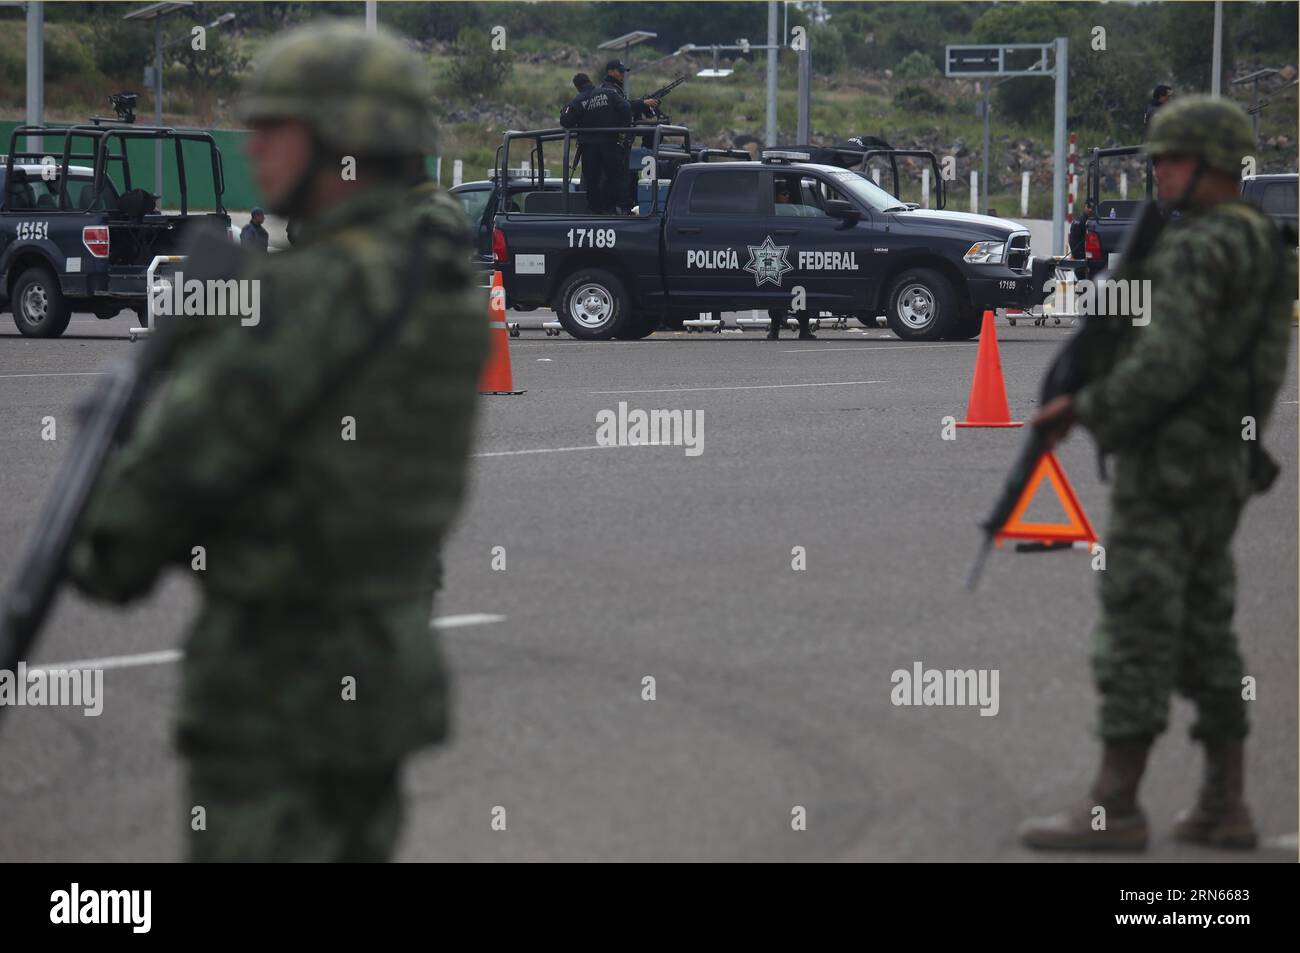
{"x":1159,"y":96}
{"x":1079,"y":231}
{"x":254,"y":236}
{"x":785,"y":191}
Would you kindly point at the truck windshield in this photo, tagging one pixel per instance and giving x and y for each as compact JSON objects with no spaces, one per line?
{"x":866,"y":191}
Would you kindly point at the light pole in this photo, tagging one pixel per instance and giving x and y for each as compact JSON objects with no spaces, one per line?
{"x":155,"y":12}
{"x":1216,"y":56}
{"x":35,"y":66}
{"x":772,"y":48}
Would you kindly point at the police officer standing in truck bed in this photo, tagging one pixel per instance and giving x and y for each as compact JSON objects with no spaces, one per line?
{"x":609,"y":186}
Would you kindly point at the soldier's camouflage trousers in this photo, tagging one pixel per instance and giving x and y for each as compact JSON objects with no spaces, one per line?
{"x":1168,"y":594}
{"x":295,"y":720}
{"x":264,"y":811}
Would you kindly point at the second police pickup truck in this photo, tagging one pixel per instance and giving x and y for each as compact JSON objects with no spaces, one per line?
{"x":82,"y":237}
{"x":719,"y":238}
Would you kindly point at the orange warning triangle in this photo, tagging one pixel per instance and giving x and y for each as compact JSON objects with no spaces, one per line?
{"x":1076,"y":529}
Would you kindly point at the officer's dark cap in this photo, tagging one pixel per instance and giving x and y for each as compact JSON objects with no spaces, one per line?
{"x":615,"y":65}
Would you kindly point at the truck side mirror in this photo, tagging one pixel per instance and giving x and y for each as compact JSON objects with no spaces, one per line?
{"x":838,"y":208}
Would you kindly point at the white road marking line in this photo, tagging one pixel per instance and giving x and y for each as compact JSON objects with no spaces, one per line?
{"x":517,"y":453}
{"x":472,"y":618}
{"x":114,"y":661}
{"x":686,"y":390}
{"x":1283,"y":842}
{"x":174,"y":655}
{"x":71,"y":374}
{"x":892,"y":347}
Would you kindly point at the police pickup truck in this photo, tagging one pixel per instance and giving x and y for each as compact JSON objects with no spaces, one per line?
{"x":1276,"y":195}
{"x":777,"y":234}
{"x":81,"y":237}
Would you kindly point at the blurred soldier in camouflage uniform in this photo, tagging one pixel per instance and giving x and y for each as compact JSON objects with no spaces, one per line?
{"x":319,"y":457}
{"x":1169,"y":404}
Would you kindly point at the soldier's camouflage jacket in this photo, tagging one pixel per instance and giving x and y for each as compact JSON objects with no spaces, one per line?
{"x":1170,"y":401}
{"x":320,"y":550}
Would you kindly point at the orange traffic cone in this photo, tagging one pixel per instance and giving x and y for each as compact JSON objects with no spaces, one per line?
{"x":987,"y":406}
{"x":496,"y":377}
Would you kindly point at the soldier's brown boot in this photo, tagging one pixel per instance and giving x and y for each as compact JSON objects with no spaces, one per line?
{"x":1220,"y":817}
{"x":1123,"y":825}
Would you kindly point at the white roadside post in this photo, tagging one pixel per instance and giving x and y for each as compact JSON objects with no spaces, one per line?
{"x":1123,"y":185}
{"x":925,"y":188}
{"x":974,"y":191}
{"x":151,"y":289}
{"x":457,"y":173}
{"x":1024,"y":195}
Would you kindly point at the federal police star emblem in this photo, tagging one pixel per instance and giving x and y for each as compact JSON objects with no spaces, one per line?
{"x":767,"y":262}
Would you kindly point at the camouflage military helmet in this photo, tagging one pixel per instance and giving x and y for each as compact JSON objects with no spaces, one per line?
{"x":363,"y":94}
{"x":1217,"y":130}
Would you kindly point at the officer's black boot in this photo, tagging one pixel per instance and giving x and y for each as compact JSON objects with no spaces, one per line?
{"x":1120,"y":825}
{"x":1220,"y":817}
{"x":804,"y":333}
{"x":774,"y":329}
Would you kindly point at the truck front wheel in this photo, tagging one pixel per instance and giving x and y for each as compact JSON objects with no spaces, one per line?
{"x":40,"y":310}
{"x":921,"y":305}
{"x":966,"y":327}
{"x":593,"y":305}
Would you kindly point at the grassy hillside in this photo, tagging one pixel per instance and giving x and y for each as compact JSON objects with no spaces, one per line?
{"x":937,"y":114}
{"x":932,"y":113}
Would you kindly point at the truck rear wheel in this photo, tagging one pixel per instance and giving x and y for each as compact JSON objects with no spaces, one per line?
{"x":640,"y":326}
{"x":593,"y":305}
{"x":921,"y":305}
{"x":40,"y":310}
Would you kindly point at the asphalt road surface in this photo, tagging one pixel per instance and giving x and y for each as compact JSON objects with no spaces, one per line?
{"x":772,"y":686}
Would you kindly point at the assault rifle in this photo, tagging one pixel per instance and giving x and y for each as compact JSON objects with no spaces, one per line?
{"x":660,"y":93}
{"x":1069,"y":371}
{"x":108,"y":415}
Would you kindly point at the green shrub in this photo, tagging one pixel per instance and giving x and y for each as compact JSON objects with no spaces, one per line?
{"x":478,"y":68}
{"x":916,"y":65}
{"x":918,"y":99}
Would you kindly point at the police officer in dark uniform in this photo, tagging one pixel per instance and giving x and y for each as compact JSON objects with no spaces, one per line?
{"x":785,"y":191}
{"x":602,"y":107}
{"x":571,"y":114}
{"x":1159,"y":96}
{"x":1079,"y":236}
{"x":609,"y":106}
{"x":254,"y":236}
